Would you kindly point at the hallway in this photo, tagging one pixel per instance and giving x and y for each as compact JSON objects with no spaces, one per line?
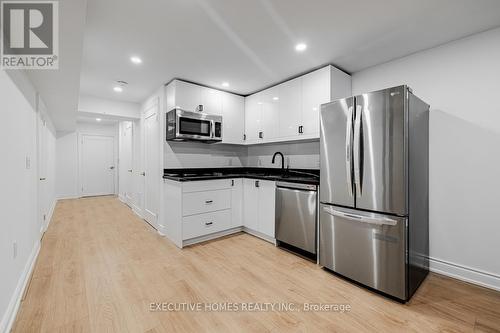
{"x":100,"y":267}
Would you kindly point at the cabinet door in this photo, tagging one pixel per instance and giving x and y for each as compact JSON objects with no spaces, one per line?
{"x":211,"y":101}
{"x":270,"y":114}
{"x":236,"y":202}
{"x":251,"y":204}
{"x":315,"y":91}
{"x":290,"y":114}
{"x":233,"y":118}
{"x":253,"y":107}
{"x":187,"y":96}
{"x":267,"y":199}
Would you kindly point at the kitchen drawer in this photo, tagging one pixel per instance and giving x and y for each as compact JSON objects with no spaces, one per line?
{"x":204,"y":202}
{"x":204,"y":224}
{"x":206,"y":185}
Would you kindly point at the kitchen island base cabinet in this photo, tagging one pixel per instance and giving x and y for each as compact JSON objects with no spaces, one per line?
{"x":259,"y":207}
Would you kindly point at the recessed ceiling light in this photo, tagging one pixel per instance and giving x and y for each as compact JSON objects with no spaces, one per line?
{"x":260,"y":103}
{"x":225,"y":84}
{"x":300,"y":47}
{"x":136,"y":60}
{"x":275,"y":98}
{"x":118,"y":89}
{"x":98,"y":119}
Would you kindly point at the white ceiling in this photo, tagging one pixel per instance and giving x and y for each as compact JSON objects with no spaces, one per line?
{"x":250,"y":44}
{"x":59,"y":89}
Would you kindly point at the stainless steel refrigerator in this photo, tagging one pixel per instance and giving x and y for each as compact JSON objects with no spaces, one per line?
{"x":374,"y":201}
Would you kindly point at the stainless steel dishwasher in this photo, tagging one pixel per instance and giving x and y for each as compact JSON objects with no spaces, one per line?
{"x":296,"y":215}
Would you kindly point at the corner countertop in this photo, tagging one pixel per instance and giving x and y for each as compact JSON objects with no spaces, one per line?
{"x":303,"y":176}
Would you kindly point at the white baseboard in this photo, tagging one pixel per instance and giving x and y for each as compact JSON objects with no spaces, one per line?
{"x":15,"y":301}
{"x":122,"y":199}
{"x":137,"y":210}
{"x":68,"y":197}
{"x":464,"y":273}
{"x":259,"y":235}
{"x":49,"y":214}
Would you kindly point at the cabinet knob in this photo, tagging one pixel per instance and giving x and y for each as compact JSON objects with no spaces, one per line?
{"x":208,"y":202}
{"x":257,"y":183}
{"x":208,"y":223}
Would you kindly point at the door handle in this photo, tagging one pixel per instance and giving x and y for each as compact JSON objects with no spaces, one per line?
{"x":43,"y":178}
{"x":348,"y":151}
{"x":129,"y":170}
{"x":143,"y":173}
{"x":257,"y":183}
{"x":111,"y":168}
{"x":357,"y":150}
{"x":208,"y":223}
{"x":232,"y":182}
{"x":208,"y":202}
{"x":361,"y":218}
{"x":261,"y":135}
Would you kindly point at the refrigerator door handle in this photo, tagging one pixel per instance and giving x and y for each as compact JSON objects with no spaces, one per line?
{"x":361,"y":218}
{"x":357,"y":150}
{"x":348,"y":151}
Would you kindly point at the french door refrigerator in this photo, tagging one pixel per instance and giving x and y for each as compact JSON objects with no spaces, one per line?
{"x":374,"y":190}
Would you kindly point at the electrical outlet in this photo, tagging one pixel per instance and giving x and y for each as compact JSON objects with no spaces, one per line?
{"x":14,"y":249}
{"x":28,"y":162}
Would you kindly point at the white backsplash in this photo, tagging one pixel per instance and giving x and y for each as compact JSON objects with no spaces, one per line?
{"x":298,"y":155}
{"x":203,"y":155}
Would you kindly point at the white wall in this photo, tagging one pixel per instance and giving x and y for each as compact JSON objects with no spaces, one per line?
{"x":461,"y":82}
{"x":20,"y":223}
{"x":96,"y":105}
{"x":67,"y":163}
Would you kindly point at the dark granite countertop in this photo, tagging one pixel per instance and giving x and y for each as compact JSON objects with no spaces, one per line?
{"x":304,"y":176}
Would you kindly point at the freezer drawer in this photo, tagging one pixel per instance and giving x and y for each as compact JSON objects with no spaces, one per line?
{"x":296,"y":216}
{"x":366,"y":247}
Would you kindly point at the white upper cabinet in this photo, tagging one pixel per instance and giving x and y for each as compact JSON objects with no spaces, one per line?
{"x":211,"y":99}
{"x":233,"y":118}
{"x":315,"y":91}
{"x":290,"y":112}
{"x":253,"y":108}
{"x":187,"y":96}
{"x":269,"y":124}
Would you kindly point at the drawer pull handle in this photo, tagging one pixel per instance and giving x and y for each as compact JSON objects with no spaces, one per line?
{"x":208,"y":223}
{"x":208,"y":202}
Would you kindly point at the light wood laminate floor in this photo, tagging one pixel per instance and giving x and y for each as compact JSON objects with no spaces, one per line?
{"x":100,"y":267}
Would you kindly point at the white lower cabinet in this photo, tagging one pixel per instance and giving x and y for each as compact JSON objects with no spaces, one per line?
{"x":203,"y":224}
{"x":236,"y":202}
{"x":259,"y":206}
{"x":201,"y":210}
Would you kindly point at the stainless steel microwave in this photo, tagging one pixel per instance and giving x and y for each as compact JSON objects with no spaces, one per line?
{"x":185,"y":125}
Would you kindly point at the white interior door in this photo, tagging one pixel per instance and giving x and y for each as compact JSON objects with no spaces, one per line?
{"x":152,"y":174}
{"x":97,"y":167}
{"x":42,"y":174}
{"x":126,"y":162}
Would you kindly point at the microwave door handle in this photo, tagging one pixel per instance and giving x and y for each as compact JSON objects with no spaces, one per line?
{"x":348,"y":151}
{"x":212,"y":129}
{"x":357,"y":150}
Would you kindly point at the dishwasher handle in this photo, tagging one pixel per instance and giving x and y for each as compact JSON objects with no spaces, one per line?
{"x":297,"y":186}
